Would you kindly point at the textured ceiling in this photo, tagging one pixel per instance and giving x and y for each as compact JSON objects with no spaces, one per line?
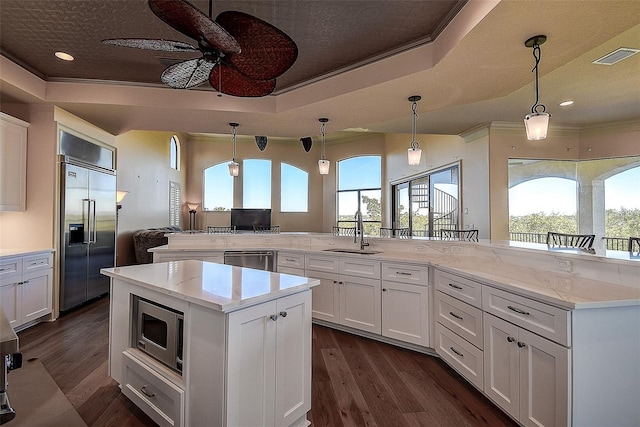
{"x":331,"y":35}
{"x":358,"y":62}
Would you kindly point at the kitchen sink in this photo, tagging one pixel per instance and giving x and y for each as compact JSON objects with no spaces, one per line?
{"x":352,"y":251}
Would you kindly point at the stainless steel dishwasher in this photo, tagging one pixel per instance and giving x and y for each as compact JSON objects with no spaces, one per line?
{"x":258,"y":259}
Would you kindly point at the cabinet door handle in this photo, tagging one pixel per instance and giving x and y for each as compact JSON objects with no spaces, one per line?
{"x":521,"y":344}
{"x":517,"y":310}
{"x":24,"y":283}
{"x":384,"y":289}
{"x":283,"y":313}
{"x":456,"y":352}
{"x":144,"y":391}
{"x":511,"y":339}
{"x":273,"y":317}
{"x":455,"y":286}
{"x":402,"y":273}
{"x":455,"y":315}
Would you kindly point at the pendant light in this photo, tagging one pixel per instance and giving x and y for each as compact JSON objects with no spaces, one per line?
{"x":414,"y":152}
{"x":536,"y":123}
{"x":234,"y":167}
{"x":323,"y":164}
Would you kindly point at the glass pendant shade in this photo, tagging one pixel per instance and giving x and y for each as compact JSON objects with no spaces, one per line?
{"x":537,"y":125}
{"x":323,"y":166}
{"x":414,"y":155}
{"x":234,"y":168}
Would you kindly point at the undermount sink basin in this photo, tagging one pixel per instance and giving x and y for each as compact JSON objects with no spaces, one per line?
{"x":352,"y":251}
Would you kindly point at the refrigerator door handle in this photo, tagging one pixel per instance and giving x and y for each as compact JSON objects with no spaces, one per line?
{"x":86,"y":221}
{"x":94,"y":226}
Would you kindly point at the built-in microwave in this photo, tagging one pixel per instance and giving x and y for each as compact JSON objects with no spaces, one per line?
{"x":158,"y":331}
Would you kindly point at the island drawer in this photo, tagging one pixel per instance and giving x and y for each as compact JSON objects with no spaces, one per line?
{"x":159,"y":398}
{"x":458,"y":287}
{"x":463,"y":319}
{"x":460,"y":355}
{"x":291,"y":259}
{"x":543,"y":319}
{"x":406,"y":273}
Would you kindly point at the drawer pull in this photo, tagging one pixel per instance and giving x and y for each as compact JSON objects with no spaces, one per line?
{"x":517,"y":310}
{"x":402,"y":273}
{"x":290,"y":260}
{"x":456,"y":352}
{"x":144,"y":391}
{"x":511,"y":339}
{"x":455,"y":315}
{"x":455,"y":286}
{"x":5,"y":269}
{"x":521,"y":344}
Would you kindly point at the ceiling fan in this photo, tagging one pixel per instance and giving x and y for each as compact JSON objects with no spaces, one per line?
{"x":241,"y":55}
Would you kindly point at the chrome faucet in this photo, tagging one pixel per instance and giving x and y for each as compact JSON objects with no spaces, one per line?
{"x":360,"y":228}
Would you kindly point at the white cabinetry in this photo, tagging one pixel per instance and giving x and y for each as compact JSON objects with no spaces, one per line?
{"x":291,"y":263}
{"x":26,"y":287}
{"x":459,"y":335}
{"x":405,"y":303}
{"x":13,"y":163}
{"x":349,"y":291}
{"x":269,"y":353}
{"x":525,"y":374}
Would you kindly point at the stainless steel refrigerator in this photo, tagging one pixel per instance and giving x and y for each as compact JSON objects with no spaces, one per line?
{"x":88,"y":231}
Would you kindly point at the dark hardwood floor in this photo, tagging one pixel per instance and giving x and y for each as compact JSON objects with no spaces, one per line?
{"x":356,"y":381}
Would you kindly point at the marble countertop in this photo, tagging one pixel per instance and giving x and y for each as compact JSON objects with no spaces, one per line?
{"x":221,"y":287}
{"x":8,"y":252}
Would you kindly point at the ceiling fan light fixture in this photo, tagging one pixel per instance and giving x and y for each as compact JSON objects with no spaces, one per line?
{"x":323,"y":164}
{"x":414,"y":153}
{"x":537,"y":122}
{"x":234,"y":166}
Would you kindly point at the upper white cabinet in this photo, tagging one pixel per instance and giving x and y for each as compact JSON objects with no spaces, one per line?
{"x":13,"y":163}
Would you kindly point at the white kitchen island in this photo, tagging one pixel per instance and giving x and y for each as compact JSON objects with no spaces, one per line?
{"x":247,"y":344}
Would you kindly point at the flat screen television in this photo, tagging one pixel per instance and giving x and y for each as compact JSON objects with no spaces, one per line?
{"x":245,"y":219}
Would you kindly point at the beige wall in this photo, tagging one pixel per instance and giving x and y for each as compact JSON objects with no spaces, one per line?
{"x":33,"y":229}
{"x":144,"y":171}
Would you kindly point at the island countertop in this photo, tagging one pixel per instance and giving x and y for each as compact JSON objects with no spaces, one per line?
{"x":221,"y":287}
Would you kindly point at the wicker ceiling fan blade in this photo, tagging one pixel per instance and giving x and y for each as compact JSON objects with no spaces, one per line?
{"x":230,"y":81}
{"x":184,"y":17}
{"x":152,"y":44}
{"x":188,"y":74}
{"x":267,"y":52}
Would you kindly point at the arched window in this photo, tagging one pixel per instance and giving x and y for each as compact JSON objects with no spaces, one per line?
{"x":218,"y":188}
{"x":359,"y":189}
{"x":256,"y":184}
{"x":622,"y":205}
{"x":294,"y":189}
{"x":174,"y":159}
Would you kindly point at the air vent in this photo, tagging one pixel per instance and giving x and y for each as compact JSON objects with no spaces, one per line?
{"x":616,"y":56}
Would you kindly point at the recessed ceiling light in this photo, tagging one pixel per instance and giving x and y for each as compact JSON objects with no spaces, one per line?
{"x":64,"y":56}
{"x":566,"y":103}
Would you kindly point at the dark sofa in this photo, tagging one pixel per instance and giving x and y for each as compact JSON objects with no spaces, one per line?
{"x":143,"y":240}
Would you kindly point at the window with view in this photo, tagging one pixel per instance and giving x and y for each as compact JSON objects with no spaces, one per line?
{"x":294,"y":189}
{"x":428,"y":203}
{"x":359,"y":189}
{"x":218,"y":188}
{"x":256,"y":183}
{"x":598,"y":197}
